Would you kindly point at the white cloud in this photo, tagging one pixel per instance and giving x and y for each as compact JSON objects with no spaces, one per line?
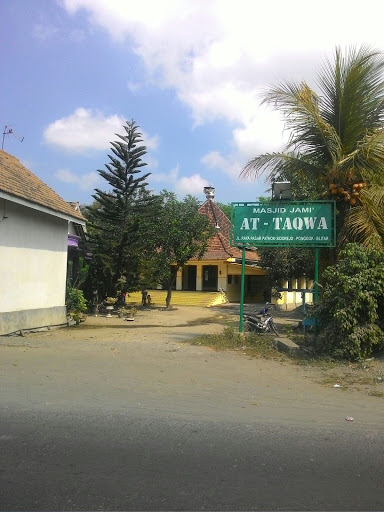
{"x":150,"y":142}
{"x":151,"y":162}
{"x":265,"y":132}
{"x":215,"y":160}
{"x":168,"y":179}
{"x":44,"y":31}
{"x":86,"y":130}
{"x":219,"y":55}
{"x":85,"y":182}
{"x":133,"y":87}
{"x":193,"y":185}
{"x":48,"y":29}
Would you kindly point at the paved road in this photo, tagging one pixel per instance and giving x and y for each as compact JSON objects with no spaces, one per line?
{"x":167,"y":426}
{"x":124,"y":461}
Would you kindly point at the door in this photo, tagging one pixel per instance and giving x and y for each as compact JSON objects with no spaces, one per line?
{"x":189,"y":278}
{"x":210,"y":278}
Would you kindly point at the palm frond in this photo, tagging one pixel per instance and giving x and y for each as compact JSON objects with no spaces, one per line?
{"x":311,"y":134}
{"x":366,"y":162}
{"x":353,"y":93}
{"x":365,"y":223}
{"x":274,"y":164}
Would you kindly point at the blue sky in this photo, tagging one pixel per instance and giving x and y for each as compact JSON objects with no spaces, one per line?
{"x":191,"y":73}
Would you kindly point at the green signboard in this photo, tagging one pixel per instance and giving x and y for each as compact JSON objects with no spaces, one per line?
{"x":305,"y":224}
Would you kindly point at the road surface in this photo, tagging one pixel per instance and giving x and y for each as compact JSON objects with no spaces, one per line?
{"x":149,"y":423}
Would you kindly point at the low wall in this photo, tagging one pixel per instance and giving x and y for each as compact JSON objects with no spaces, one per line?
{"x":13,"y":321}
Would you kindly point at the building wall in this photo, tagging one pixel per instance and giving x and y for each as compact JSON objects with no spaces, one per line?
{"x":221,"y":273}
{"x":226,"y":269}
{"x":33,"y":258}
{"x":295,"y":298}
{"x":256,"y":287}
{"x":254,"y":281}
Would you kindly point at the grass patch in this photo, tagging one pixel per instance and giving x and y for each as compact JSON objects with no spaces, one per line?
{"x":377,"y":393}
{"x":253,"y":345}
{"x":206,"y":321}
{"x":348,"y":379}
{"x":321,"y":362}
{"x":358,"y":375}
{"x":355,"y":375}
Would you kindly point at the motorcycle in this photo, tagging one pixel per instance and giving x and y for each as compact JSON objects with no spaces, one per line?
{"x":262,"y":322}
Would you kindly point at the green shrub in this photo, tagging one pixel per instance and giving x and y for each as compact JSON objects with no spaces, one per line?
{"x":351,"y":312}
{"x":76,"y":303}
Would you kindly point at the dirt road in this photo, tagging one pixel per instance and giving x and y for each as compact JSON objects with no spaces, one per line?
{"x":117,"y":415}
{"x":150,"y":363}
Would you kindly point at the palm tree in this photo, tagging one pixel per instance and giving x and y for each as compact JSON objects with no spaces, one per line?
{"x":336,"y":143}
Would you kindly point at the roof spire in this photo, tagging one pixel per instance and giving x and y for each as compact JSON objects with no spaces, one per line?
{"x":209,"y":192}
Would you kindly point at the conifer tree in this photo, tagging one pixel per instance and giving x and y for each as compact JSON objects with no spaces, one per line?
{"x":117,"y":213}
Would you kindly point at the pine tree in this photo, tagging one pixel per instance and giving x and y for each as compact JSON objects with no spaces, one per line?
{"x":117,"y":213}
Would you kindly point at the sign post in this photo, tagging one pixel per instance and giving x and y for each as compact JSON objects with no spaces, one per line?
{"x":283,"y":224}
{"x":316,"y":284}
{"x":242,"y":289}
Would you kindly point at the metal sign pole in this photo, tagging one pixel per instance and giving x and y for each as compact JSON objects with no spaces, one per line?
{"x":242,"y":290}
{"x":316,"y":287}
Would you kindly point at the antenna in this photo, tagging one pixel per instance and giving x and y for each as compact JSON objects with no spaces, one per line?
{"x":7,"y":131}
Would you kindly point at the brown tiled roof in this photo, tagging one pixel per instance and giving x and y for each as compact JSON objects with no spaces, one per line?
{"x":219,"y":246}
{"x":17,"y":180}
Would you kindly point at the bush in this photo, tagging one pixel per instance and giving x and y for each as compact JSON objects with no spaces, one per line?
{"x":76,"y":303}
{"x":351,"y":312}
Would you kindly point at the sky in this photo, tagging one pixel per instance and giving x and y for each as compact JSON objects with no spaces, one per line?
{"x":190,"y":73}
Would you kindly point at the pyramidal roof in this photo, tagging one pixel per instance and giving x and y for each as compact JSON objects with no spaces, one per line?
{"x":18,"y":181}
{"x":219,"y":247}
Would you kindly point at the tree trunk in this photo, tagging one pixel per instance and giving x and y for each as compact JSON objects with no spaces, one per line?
{"x":169,"y":292}
{"x":169,"y":295}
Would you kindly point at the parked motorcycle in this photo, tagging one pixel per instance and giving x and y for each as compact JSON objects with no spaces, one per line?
{"x":262,"y":322}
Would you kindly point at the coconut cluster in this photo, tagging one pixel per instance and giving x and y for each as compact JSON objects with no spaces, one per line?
{"x":349,"y":194}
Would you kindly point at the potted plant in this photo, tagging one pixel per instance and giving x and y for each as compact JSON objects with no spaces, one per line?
{"x":131,"y":313}
{"x":110,"y":303}
{"x":122,"y":312}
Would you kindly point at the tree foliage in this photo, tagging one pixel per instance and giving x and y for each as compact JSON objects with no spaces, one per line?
{"x":179,"y":233}
{"x":225,"y":208}
{"x":336,"y":144}
{"x":116,"y":216}
{"x":351,"y":312}
{"x":285,"y":263}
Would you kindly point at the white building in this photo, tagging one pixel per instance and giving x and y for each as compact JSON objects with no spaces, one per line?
{"x":33,"y":249}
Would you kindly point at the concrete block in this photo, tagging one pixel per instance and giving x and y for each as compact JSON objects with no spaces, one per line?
{"x":286,"y":345}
